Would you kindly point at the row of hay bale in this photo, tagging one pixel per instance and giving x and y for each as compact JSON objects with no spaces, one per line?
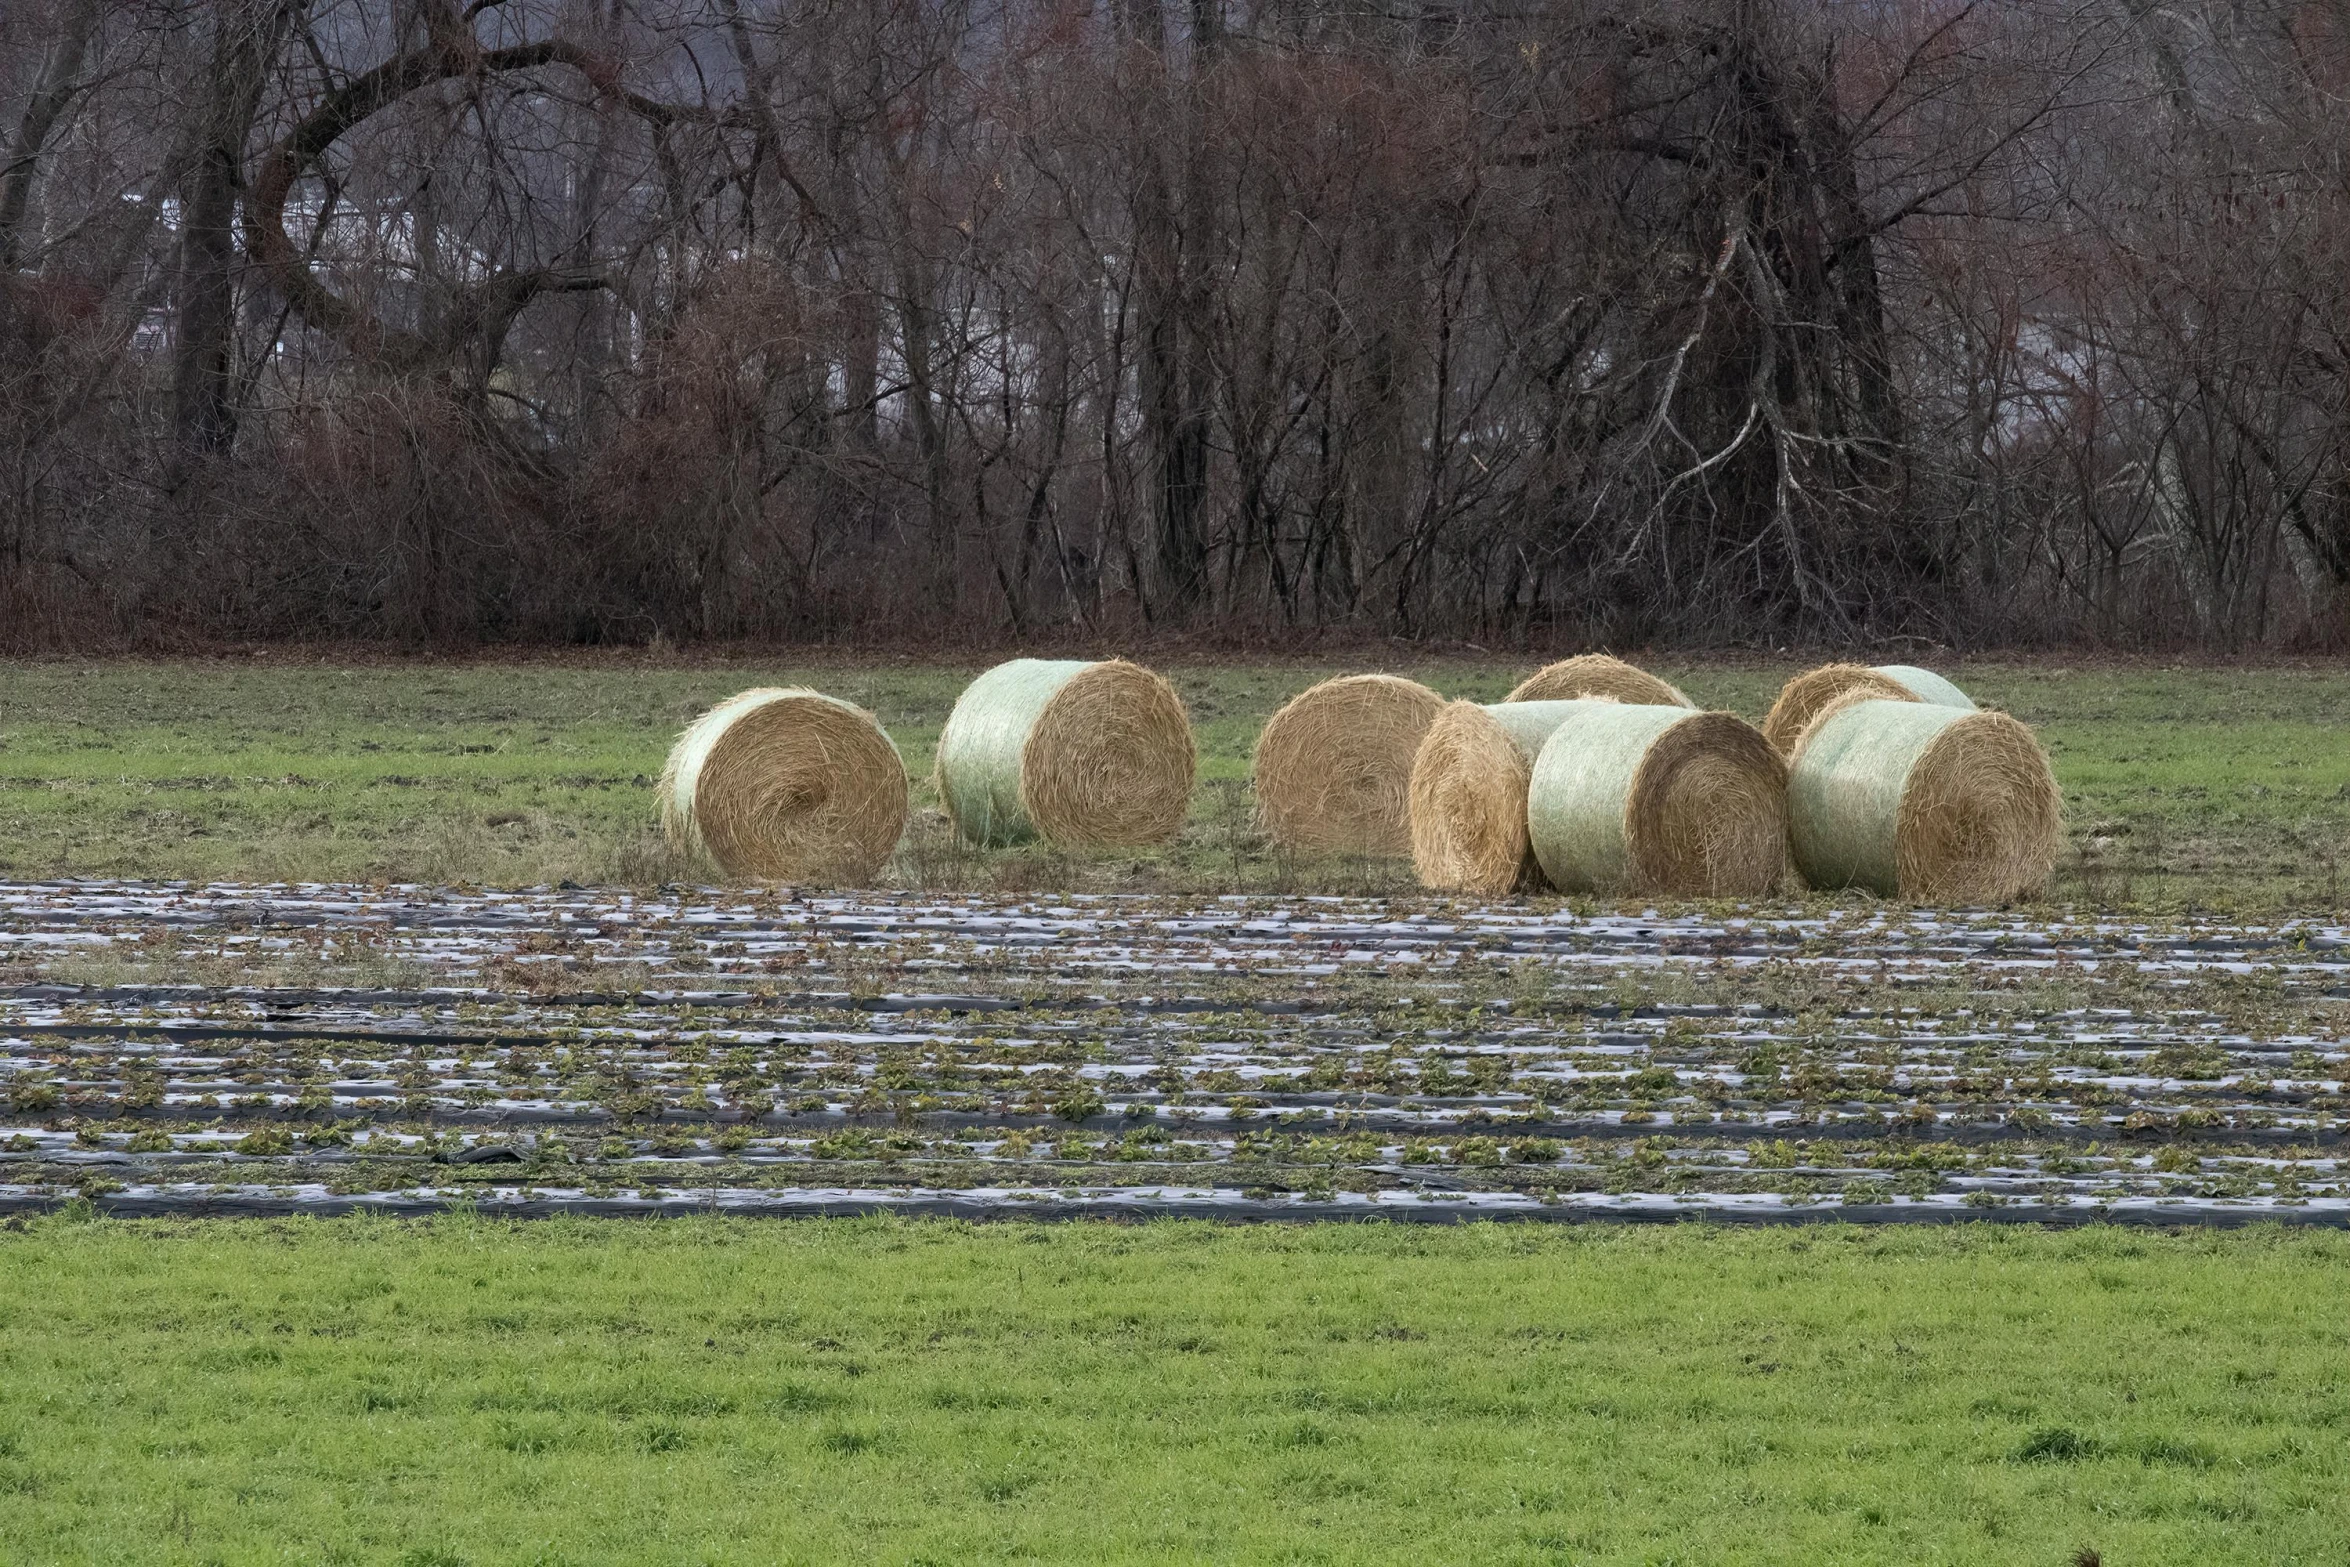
{"x":1594,"y":776}
{"x":782,"y":784}
{"x":1595,"y":795}
{"x":1591,"y":776}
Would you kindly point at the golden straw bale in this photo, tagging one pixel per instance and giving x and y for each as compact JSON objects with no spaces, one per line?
{"x":1922,"y":801}
{"x":1083,"y":754}
{"x":1596,"y":675}
{"x":1468,"y":794}
{"x":785,"y":785}
{"x":1659,"y":801}
{"x":1334,"y":765}
{"x":1802,"y":698}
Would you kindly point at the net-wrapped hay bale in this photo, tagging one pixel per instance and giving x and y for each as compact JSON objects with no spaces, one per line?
{"x":1659,"y":801}
{"x":1091,"y":755}
{"x":1597,"y":675}
{"x":785,"y":785}
{"x":1926,"y":686}
{"x":1468,"y":794}
{"x":1805,"y":697}
{"x":1334,"y":765}
{"x":1922,"y":801}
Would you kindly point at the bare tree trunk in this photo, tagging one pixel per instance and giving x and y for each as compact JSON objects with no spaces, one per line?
{"x":856,"y":271}
{"x":926,"y":401}
{"x":1174,"y":428}
{"x":1190,"y":572}
{"x":245,"y":38}
{"x":597,"y":310}
{"x":60,"y":79}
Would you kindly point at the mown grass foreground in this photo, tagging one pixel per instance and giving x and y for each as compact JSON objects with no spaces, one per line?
{"x":701,"y":1391}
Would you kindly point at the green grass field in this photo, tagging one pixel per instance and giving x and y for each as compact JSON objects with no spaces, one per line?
{"x":855,"y":1391}
{"x":2208,"y":788}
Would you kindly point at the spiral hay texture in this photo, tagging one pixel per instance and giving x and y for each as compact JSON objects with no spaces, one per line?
{"x":1805,"y":697}
{"x":1596,"y":675}
{"x":1091,"y":755}
{"x":785,"y":785}
{"x":1658,"y":800}
{"x":1334,"y":766}
{"x":1468,"y":793}
{"x":1922,"y":801}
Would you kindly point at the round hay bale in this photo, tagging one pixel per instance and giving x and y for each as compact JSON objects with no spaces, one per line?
{"x":1468,"y":794}
{"x":1596,"y":675}
{"x":1334,"y":765}
{"x":785,"y":785}
{"x":1803,"y":698}
{"x":1922,"y":801}
{"x":1083,"y":754}
{"x":1659,"y":800}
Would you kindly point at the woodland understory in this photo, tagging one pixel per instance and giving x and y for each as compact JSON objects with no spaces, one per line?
{"x":1708,"y":322}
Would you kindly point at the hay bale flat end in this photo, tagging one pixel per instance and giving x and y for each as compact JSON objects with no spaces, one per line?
{"x":783,"y":784}
{"x":1333,"y":767}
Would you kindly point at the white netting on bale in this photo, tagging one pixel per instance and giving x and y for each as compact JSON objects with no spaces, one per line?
{"x":1807,"y":695}
{"x":1921,"y":801}
{"x":1659,"y":800}
{"x":1083,"y":754}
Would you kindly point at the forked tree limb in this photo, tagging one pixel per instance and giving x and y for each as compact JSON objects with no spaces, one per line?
{"x":60,"y":81}
{"x":482,"y":312}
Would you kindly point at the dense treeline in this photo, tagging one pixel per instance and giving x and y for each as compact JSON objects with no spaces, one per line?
{"x":1702,"y":320}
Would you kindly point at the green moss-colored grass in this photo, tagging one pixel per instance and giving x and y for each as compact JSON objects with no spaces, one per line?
{"x":2210,"y":787}
{"x":707,"y":1392}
